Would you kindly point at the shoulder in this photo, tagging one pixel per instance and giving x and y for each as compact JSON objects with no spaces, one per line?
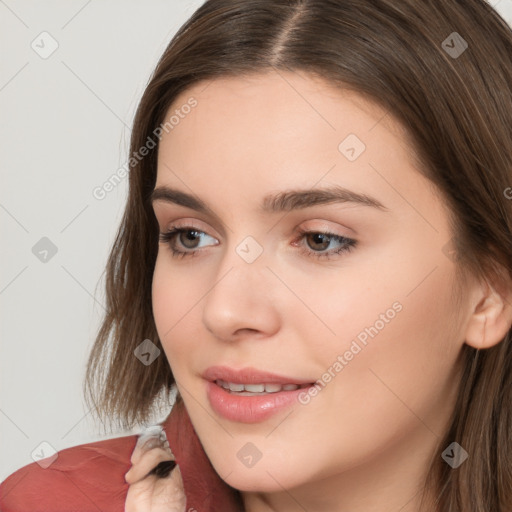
{"x":81,"y":478}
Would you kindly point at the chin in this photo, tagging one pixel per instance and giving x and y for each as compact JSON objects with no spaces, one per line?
{"x":258,"y":483}
{"x":264,"y":477}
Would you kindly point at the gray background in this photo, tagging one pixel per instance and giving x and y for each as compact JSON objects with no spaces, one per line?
{"x":65,"y":130}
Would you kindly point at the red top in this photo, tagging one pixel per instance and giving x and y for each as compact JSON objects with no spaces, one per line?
{"x":90,"y":477}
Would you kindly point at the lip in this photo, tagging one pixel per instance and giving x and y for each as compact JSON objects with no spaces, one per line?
{"x":249,"y":409}
{"x":250,"y":375}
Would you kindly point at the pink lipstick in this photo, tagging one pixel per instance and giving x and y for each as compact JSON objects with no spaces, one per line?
{"x":250,"y":395}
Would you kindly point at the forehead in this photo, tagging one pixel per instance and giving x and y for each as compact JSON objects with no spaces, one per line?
{"x":305,"y":94}
{"x":250,"y":135}
{"x":276,"y":113}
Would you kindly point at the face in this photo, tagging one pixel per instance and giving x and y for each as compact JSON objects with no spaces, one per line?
{"x":360,"y":304}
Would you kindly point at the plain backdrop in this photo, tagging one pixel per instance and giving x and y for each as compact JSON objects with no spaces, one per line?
{"x":71,"y":75}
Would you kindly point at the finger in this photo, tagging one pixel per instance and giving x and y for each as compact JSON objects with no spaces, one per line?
{"x":150,"y":438}
{"x":154,"y":494}
{"x":169,"y":494}
{"x":147,"y":445}
{"x":138,"y":497}
{"x":147,"y":462}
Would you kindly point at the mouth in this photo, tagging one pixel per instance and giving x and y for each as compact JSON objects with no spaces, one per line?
{"x":258,"y":389}
{"x":255,"y":402}
{"x":251,"y":378}
{"x":250,"y":395}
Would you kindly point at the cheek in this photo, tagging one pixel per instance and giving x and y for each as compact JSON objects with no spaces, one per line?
{"x":418,"y":352}
{"x":173,"y":297}
{"x":162,"y":299}
{"x":395,"y":359}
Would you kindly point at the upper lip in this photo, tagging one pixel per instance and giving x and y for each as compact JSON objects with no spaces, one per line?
{"x":249,"y":375}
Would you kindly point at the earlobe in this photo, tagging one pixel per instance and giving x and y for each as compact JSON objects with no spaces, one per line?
{"x":491,"y":320}
{"x":475,"y":333}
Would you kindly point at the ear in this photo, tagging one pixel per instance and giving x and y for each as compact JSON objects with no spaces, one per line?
{"x":492,"y":316}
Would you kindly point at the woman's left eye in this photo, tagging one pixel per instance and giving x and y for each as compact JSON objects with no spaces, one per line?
{"x":321,"y":238}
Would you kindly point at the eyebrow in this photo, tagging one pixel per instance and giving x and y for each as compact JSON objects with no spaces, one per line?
{"x":285,"y":201}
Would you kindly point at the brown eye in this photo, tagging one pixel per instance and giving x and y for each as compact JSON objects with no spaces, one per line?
{"x":316,"y":243}
{"x":320,"y":241}
{"x":189,"y":239}
{"x":188,"y":242}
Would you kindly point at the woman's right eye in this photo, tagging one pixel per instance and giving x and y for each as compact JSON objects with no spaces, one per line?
{"x":192,"y":235}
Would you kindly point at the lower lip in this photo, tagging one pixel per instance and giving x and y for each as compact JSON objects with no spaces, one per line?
{"x":249,"y":409}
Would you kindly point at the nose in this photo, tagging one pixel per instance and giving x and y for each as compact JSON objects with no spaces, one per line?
{"x":242,"y":299}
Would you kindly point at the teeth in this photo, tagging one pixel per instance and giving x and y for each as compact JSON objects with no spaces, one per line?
{"x":273,"y":388}
{"x":290,"y":387}
{"x":256,"y":388}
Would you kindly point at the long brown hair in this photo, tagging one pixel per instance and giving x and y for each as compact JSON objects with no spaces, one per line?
{"x":443,"y":68}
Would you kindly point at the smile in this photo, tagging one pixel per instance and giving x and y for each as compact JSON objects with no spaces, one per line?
{"x":257,"y":389}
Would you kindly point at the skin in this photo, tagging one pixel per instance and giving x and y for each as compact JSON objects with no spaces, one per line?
{"x":364,"y":442}
{"x":150,"y":493}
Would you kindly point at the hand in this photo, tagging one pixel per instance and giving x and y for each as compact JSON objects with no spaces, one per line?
{"x":149,"y":492}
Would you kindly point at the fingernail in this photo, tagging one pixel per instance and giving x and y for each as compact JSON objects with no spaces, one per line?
{"x":151,"y":443}
{"x":153,"y":430}
{"x":155,"y":433}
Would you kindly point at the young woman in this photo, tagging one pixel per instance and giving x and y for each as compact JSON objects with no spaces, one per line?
{"x":316,"y":253}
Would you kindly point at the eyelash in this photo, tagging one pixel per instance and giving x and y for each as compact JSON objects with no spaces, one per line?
{"x":348,"y":243}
